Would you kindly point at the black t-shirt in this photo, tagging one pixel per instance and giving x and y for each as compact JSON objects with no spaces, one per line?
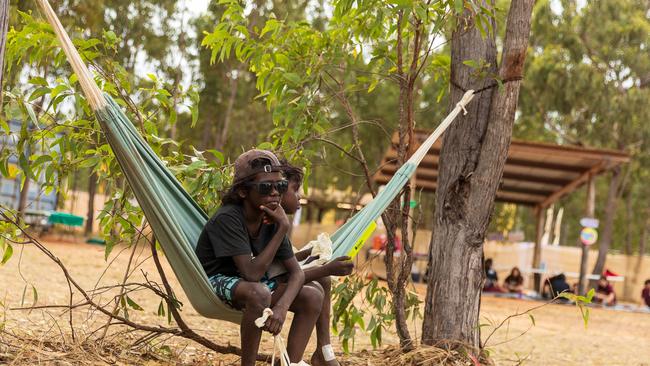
{"x":225,"y":235}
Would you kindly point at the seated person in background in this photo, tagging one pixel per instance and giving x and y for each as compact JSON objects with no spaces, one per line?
{"x":491,"y":278}
{"x":515,"y":281}
{"x":555,"y":285}
{"x":604,"y":292}
{"x":342,"y":266}
{"x":645,"y":294}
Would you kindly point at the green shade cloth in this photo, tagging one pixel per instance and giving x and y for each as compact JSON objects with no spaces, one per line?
{"x":65,"y":218}
{"x":96,"y":240}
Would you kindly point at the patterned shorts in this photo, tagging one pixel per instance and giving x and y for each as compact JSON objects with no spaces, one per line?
{"x":224,"y":286}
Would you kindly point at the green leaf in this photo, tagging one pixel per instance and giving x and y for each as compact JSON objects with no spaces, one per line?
{"x":459,"y":5}
{"x":217,"y":154}
{"x":373,"y":85}
{"x":58,"y":90}
{"x":8,"y":252}
{"x":265,"y":146}
{"x":110,"y":244}
{"x":38,"y":80}
{"x":24,"y":165}
{"x":585,"y":316}
{"x":30,"y":112}
{"x":292,"y":77}
{"x":161,"y":309}
{"x":133,"y":304}
{"x":420,"y":10}
{"x":42,"y":159}
{"x":39,"y":92}
{"x":5,"y":126}
{"x":270,"y":26}
{"x":195,"y":114}
{"x":35,"y":294}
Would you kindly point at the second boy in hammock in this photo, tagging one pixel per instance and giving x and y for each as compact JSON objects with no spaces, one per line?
{"x":342,"y":266}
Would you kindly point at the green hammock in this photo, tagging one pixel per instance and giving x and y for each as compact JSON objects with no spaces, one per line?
{"x":175,"y":217}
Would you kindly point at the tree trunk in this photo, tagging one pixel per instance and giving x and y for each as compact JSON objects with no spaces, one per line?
{"x":4,"y":23}
{"x":629,"y":217}
{"x":608,"y":227}
{"x":473,"y":154}
{"x":632,"y":278}
{"x":90,"y":216}
{"x":22,"y":200}
{"x":223,"y":134}
{"x":398,"y":270}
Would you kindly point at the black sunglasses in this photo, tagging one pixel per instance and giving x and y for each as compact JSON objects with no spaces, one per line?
{"x":265,"y":188}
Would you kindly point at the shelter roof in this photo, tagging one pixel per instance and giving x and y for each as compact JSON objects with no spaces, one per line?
{"x":535,"y":174}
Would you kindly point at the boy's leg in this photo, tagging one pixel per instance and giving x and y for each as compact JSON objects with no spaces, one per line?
{"x":323,"y":328}
{"x":306,"y":308}
{"x":253,"y":298}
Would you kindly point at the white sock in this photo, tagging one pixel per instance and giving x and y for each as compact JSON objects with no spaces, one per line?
{"x":328,"y":353}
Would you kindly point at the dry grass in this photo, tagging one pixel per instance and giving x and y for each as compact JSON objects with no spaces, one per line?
{"x":30,"y":349}
{"x":43,"y":336}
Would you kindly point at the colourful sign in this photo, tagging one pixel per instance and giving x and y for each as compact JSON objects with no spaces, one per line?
{"x":588,"y":236}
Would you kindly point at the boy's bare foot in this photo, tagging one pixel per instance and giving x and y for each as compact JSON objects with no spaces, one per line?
{"x":317,"y":359}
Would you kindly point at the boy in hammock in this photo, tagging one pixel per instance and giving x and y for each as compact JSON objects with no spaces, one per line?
{"x":237,"y":246}
{"x":342,"y":266}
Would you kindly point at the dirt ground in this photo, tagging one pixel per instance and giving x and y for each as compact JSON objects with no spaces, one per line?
{"x":558,"y":336}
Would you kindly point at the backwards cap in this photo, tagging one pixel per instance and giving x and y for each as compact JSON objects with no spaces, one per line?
{"x":255,"y":161}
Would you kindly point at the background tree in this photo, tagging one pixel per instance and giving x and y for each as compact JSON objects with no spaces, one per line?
{"x":473,"y":154}
{"x":587,"y":82}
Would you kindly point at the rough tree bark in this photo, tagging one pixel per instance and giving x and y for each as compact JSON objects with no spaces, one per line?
{"x":473,"y":154}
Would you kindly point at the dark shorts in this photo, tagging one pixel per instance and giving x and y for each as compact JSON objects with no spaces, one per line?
{"x":224,"y":286}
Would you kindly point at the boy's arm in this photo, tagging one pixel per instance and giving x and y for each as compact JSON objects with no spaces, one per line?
{"x":296,"y":280}
{"x":252,"y":269}
{"x":303,"y":254}
{"x":294,"y":284}
{"x":341,"y":266}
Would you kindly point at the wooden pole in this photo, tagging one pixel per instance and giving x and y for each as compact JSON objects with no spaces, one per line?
{"x":590,"y":212}
{"x":4,"y":25}
{"x":537,"y":253}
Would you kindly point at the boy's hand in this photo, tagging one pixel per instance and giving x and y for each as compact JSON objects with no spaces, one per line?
{"x":276,"y":215}
{"x":274,"y":323}
{"x":341,"y":266}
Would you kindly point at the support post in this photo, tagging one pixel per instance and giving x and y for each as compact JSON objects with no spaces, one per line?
{"x":590,"y":212}
{"x":537,"y":253}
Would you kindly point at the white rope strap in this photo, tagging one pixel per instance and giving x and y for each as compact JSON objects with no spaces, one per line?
{"x":278,"y":343}
{"x":93,"y":94}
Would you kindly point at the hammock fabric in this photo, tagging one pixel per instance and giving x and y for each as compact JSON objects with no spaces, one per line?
{"x":175,"y":218}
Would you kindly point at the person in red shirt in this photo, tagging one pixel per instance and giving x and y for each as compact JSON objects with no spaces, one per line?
{"x":645,"y":294}
{"x":605,"y":292}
